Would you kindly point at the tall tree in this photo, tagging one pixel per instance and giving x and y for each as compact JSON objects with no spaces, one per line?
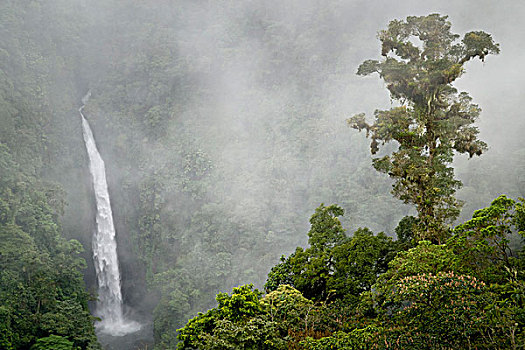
{"x":421,"y":60}
{"x":334,"y":267}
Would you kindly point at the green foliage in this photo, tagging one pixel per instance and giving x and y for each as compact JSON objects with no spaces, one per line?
{"x":483,"y":250}
{"x":227,"y":170}
{"x":240,"y":321}
{"x":280,"y":274}
{"x":334,"y":266}
{"x":287,"y":306}
{"x":519,"y":217}
{"x":359,"y":262}
{"x":326,"y":230}
{"x":41,"y":292}
{"x":433,"y":121}
{"x":167,"y":152}
{"x":53,"y":342}
{"x":357,"y":339}
{"x":406,"y":231}
{"x":43,"y":302}
{"x":281,"y":319}
{"x":441,"y":311}
{"x":379,"y":295}
{"x":424,"y":258}
{"x":193,"y":332}
{"x":41,"y":289}
{"x":256,"y":333}
{"x":243,"y":303}
{"x":482,"y":243}
{"x":309,"y":270}
{"x":465,"y":293}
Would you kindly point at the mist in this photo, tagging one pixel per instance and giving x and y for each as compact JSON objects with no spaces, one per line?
{"x":223,"y":126}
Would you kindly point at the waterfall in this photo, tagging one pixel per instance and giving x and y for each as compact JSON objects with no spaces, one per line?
{"x":109,"y":304}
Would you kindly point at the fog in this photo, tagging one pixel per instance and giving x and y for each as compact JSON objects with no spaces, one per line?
{"x":223,"y":126}
{"x":254,"y":65}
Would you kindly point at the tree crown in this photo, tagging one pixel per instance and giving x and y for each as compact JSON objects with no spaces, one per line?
{"x":421,"y":60}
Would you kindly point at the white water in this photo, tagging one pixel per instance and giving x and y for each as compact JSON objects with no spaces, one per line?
{"x":109,"y":304}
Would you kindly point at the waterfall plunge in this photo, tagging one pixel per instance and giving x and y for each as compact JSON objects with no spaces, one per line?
{"x":109,"y":304}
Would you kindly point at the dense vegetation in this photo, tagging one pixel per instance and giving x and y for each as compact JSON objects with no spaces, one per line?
{"x":222,"y":128}
{"x":210,"y":187}
{"x":43,"y":300}
{"x":436,"y":287}
{"x":357,"y":293}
